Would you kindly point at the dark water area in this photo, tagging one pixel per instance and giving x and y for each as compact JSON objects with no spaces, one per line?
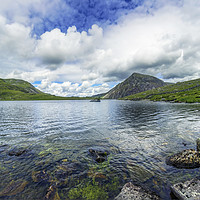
{"x":53,"y":138}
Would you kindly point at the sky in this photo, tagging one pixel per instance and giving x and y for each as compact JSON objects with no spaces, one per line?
{"x":85,"y":47}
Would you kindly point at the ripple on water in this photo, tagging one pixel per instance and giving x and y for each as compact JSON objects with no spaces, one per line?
{"x":137,"y":135}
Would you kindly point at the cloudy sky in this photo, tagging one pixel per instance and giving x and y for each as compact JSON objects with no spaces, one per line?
{"x":85,"y":47}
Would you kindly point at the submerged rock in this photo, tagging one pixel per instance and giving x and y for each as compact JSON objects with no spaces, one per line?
{"x":98,"y":155}
{"x":13,"y":188}
{"x":92,"y":173}
{"x":39,"y":176}
{"x":187,"y":190}
{"x":133,"y":192}
{"x":138,"y":172}
{"x":3,"y":148}
{"x":17,"y":151}
{"x":68,"y":168}
{"x":52,"y":194}
{"x":65,"y":170}
{"x":198,"y":144}
{"x":95,"y":100}
{"x":188,"y":159}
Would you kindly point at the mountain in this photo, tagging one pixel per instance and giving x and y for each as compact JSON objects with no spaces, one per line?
{"x":187,"y":91}
{"x":134,"y":84}
{"x":15,"y":89}
{"x":99,"y":95}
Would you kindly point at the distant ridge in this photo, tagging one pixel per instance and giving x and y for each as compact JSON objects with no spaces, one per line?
{"x":135,"y":83}
{"x":15,"y":89}
{"x":18,"y":85}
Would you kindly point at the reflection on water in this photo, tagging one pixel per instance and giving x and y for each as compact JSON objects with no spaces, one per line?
{"x":57,"y":135}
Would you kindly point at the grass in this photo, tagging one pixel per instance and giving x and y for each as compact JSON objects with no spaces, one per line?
{"x":188,"y":92}
{"x":9,"y":95}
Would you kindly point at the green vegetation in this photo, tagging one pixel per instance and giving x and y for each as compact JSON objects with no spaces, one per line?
{"x":101,"y":183}
{"x":90,"y":191}
{"x":94,"y":190}
{"x":14,"y":89}
{"x":188,"y":92}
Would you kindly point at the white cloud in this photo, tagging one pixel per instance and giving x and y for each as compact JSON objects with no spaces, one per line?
{"x":71,"y":89}
{"x":152,"y":44}
{"x":164,"y":42}
{"x":57,"y":48}
{"x":15,"y":40}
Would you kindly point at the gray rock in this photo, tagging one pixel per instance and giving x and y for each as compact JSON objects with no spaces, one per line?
{"x":189,"y":190}
{"x":133,"y":192}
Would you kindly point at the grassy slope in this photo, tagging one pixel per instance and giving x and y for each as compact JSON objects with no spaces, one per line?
{"x":188,"y":91}
{"x":14,"y":89}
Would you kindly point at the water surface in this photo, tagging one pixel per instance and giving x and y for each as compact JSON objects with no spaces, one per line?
{"x":138,"y":137}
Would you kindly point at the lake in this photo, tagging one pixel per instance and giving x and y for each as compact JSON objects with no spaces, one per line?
{"x":53,"y":139}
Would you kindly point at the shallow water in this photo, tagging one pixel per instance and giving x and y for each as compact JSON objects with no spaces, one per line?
{"x":138,"y":137}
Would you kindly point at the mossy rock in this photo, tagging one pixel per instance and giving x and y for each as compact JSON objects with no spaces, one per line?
{"x":188,"y":159}
{"x":98,"y":155}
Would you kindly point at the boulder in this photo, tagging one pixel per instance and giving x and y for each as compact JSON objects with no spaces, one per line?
{"x":188,"y":159}
{"x":187,"y":190}
{"x":133,"y":192}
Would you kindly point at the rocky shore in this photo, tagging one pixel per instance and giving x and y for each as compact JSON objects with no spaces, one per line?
{"x":190,"y":189}
{"x":65,"y":170}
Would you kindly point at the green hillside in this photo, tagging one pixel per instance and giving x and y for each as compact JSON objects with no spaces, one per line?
{"x":188,"y":91}
{"x":14,"y":89}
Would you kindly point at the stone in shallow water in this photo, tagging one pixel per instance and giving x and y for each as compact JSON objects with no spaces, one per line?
{"x":188,"y":159}
{"x":39,"y":176}
{"x":13,"y":188}
{"x":187,"y":190}
{"x":52,"y":194}
{"x":133,"y":192}
{"x":98,"y":155}
{"x":198,"y":144}
{"x":17,"y":152}
{"x":138,"y":172}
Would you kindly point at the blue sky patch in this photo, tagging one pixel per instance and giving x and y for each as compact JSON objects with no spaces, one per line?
{"x":82,"y":14}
